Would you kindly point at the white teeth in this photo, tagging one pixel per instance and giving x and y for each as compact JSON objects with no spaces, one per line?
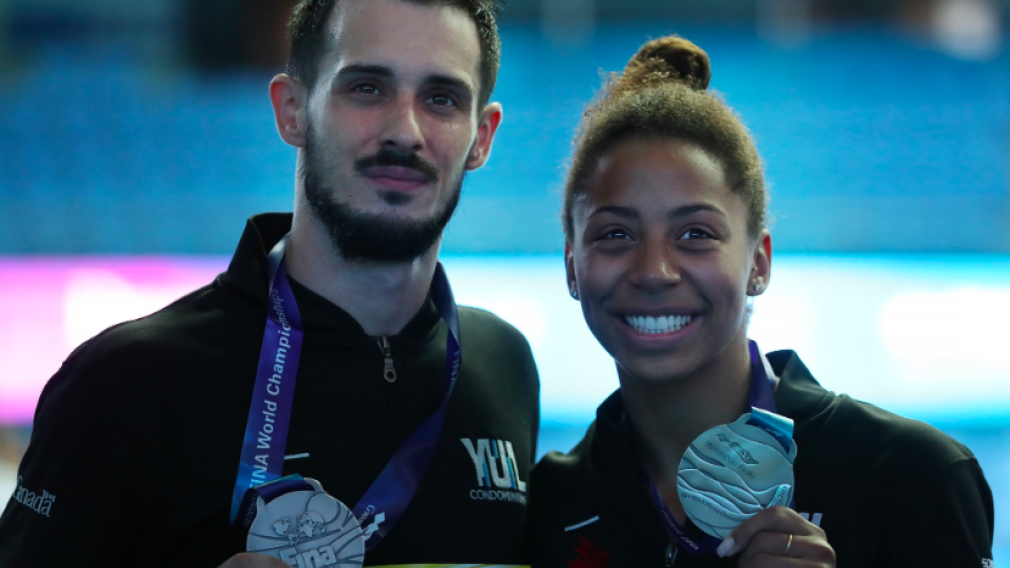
{"x":656,"y":325}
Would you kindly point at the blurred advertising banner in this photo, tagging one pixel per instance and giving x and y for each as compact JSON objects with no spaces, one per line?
{"x":922,"y":335}
{"x":52,"y":305}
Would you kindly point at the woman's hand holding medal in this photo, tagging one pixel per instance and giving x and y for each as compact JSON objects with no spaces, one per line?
{"x":778,"y":537}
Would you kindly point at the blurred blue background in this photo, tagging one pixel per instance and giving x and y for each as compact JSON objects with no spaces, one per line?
{"x":121,"y":136}
{"x":143,"y":128}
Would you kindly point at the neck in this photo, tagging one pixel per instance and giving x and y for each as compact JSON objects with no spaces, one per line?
{"x":668,"y":416}
{"x":381,"y":296}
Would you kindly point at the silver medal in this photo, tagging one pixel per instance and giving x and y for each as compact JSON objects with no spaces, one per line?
{"x":731,"y":472}
{"x":307,"y":529}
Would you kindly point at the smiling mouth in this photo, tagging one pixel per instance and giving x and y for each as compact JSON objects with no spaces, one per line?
{"x":652,"y":325}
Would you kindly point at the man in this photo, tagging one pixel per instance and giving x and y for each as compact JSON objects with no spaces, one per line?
{"x":139,"y":436}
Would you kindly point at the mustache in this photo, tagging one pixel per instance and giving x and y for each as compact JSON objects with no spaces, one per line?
{"x":387,"y":157}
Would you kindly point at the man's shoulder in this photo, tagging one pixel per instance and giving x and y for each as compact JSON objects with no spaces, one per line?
{"x":482,"y":326}
{"x":192,"y":317}
{"x":175,"y":341}
{"x":479,"y":317}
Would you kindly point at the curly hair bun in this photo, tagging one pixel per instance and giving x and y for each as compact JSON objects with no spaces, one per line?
{"x":669,"y":58}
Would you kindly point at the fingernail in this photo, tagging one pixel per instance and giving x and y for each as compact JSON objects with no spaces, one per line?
{"x":725,"y":547}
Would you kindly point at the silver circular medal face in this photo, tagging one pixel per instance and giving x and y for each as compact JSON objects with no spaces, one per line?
{"x":732,"y":472}
{"x":307,"y":529}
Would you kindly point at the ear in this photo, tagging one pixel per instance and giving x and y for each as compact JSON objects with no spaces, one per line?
{"x":761,"y":265}
{"x":288,"y":97}
{"x":487,"y":125}
{"x":573,"y":284}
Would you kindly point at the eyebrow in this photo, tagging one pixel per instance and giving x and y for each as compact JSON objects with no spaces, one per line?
{"x":358,"y":70}
{"x":685,"y":210}
{"x":449,"y":83}
{"x":625,"y":212}
{"x":373,"y":70}
{"x":682,"y":211}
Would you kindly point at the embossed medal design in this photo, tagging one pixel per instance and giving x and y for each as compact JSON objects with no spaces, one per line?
{"x":732,"y":472}
{"x":307,"y":529}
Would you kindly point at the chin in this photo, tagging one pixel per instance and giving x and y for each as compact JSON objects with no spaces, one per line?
{"x":654,"y":370}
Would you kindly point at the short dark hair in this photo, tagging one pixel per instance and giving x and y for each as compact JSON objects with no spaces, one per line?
{"x":308,"y":42}
{"x":663,"y":94}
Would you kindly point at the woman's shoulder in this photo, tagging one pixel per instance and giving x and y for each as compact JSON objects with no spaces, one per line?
{"x":558,"y":472}
{"x":837,"y":426}
{"x":880,"y":483}
{"x":891,"y":435}
{"x":585,"y":507}
{"x":560,"y":493}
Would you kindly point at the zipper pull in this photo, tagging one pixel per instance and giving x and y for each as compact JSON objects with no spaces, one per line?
{"x":389,"y":372}
{"x":671,"y":555}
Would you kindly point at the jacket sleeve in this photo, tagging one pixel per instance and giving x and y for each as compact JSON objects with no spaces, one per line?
{"x":73,"y":505}
{"x":944,"y":518}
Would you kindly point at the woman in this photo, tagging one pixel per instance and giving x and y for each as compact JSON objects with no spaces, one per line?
{"x":665,"y":241}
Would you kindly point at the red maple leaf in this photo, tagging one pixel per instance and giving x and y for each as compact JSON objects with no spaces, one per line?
{"x":591,"y":557}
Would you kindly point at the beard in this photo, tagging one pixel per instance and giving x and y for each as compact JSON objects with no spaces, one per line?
{"x":381,"y":237}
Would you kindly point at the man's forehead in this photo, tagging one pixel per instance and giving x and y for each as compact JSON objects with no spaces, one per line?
{"x":409,"y":38}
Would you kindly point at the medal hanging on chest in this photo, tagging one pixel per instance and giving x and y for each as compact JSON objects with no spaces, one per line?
{"x":292,"y":518}
{"x":299,"y":523}
{"x":733,"y":471}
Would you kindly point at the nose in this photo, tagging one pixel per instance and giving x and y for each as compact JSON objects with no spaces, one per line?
{"x":402,"y":130}
{"x":656,"y":266}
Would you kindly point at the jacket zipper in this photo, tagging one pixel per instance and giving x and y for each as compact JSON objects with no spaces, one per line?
{"x":389,"y":371}
{"x":671,"y":555}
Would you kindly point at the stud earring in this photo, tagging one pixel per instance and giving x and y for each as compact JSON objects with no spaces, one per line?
{"x":573,"y":291}
{"x":757,"y":287}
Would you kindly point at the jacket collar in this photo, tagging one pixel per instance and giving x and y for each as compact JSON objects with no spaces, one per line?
{"x":247,"y":275}
{"x":620,"y":481}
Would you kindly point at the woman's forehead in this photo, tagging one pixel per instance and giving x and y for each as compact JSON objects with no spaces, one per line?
{"x":658,"y":171}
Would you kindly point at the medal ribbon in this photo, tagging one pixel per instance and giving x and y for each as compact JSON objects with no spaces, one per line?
{"x":273,"y":394}
{"x":266,"y":430}
{"x":763,"y":415}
